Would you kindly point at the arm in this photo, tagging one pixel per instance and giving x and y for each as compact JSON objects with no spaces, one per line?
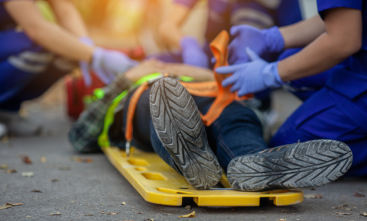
{"x":170,"y":27}
{"x":152,"y":66}
{"x":343,"y":37}
{"x":197,"y":73}
{"x":69,"y":17}
{"x":46,"y":34}
{"x":302,"y":33}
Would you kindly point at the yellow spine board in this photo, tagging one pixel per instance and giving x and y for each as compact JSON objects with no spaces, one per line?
{"x":158,"y":183}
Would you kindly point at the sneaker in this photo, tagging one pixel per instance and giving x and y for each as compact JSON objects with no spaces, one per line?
{"x":18,"y":125}
{"x":295,"y":166}
{"x":178,"y":124}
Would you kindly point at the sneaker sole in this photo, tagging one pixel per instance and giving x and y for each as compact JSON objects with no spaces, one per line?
{"x":178,"y":124}
{"x":296,"y":166}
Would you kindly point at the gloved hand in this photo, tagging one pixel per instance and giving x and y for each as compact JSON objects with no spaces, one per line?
{"x":84,"y":67}
{"x":251,"y":77}
{"x":107,"y":64}
{"x":260,"y":41}
{"x":192,"y":53}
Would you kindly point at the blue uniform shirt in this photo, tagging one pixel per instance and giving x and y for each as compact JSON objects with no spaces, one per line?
{"x":361,"y":5}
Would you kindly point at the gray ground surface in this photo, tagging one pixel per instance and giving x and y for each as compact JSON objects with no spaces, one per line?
{"x":92,"y":188}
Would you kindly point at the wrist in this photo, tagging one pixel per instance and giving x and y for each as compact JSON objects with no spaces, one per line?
{"x":86,"y":40}
{"x":96,"y":57}
{"x":273,"y":39}
{"x":271,"y":76}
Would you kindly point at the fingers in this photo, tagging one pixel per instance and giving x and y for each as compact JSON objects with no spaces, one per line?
{"x":236,"y":86}
{"x":243,"y":91}
{"x":235,"y":30}
{"x":213,"y":60}
{"x":252,"y":55}
{"x":230,"y":80}
{"x":228,"y":69}
{"x":86,"y":74}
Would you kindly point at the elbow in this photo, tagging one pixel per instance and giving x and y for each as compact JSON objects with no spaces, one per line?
{"x":349,"y":47}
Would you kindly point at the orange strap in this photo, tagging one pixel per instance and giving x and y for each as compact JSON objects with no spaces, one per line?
{"x":131,"y":110}
{"x":219,"y":47}
{"x":205,"y":89}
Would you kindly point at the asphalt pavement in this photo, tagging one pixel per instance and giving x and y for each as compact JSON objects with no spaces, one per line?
{"x":73,"y":190}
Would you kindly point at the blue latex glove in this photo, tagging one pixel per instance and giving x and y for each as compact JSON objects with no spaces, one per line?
{"x":108,"y":64}
{"x":84,"y":67}
{"x":192,"y":53}
{"x":260,"y":41}
{"x":251,"y":77}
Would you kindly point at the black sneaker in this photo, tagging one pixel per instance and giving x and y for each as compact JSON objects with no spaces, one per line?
{"x":295,"y":166}
{"x":177,"y":122}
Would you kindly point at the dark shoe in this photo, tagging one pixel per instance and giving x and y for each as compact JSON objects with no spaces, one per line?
{"x":177,"y":122}
{"x":301,"y":165}
{"x":18,"y":125}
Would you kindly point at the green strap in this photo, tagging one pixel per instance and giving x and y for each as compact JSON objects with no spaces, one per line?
{"x":103,"y":140}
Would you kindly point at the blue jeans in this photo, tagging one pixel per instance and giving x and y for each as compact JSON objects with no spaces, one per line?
{"x":235,"y":133}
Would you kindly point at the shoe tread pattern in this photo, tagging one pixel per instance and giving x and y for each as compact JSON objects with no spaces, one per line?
{"x":178,"y":125}
{"x":302,"y":165}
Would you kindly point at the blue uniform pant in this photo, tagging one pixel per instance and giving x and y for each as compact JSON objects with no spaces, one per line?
{"x":235,"y":133}
{"x":27,"y":70}
{"x":329,"y":111}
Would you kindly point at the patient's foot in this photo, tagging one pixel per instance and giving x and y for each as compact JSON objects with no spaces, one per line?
{"x":301,"y":165}
{"x":177,"y":122}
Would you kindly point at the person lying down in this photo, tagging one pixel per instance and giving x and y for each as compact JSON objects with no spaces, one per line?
{"x":167,"y":121}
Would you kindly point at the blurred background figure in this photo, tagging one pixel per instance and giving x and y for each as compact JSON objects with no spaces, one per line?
{"x":222,"y":15}
{"x":134,"y":27}
{"x":35,"y":53}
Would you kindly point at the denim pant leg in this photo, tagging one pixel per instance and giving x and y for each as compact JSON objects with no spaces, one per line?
{"x":161,"y":150}
{"x":236,"y":132}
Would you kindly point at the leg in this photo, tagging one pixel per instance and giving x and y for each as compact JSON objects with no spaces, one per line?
{"x":144,"y":135}
{"x":323,"y":117}
{"x":236,"y":132}
{"x":178,"y":125}
{"x":300,"y":165}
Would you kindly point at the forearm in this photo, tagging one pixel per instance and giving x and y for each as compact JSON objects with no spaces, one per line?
{"x":302,"y":33}
{"x":69,"y":17}
{"x":319,"y":56}
{"x":46,"y":34}
{"x":171,"y":34}
{"x":343,"y":38}
{"x":170,"y":28}
{"x":198,"y":74}
{"x":58,"y":41}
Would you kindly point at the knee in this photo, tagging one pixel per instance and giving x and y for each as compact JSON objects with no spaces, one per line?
{"x":238,"y":113}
